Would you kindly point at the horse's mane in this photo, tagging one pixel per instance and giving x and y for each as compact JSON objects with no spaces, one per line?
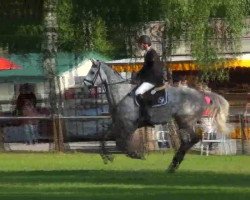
{"x":112,"y":75}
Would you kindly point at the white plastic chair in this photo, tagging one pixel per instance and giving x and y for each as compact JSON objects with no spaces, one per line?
{"x":162,"y":138}
{"x":211,"y":139}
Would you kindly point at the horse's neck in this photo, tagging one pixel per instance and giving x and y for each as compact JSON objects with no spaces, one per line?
{"x":118,"y":88}
{"x":120,"y":91}
{"x":112,"y":76}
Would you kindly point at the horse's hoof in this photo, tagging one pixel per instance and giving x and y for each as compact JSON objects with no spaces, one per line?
{"x":172,"y":168}
{"x":136,"y":156}
{"x":107,"y":158}
{"x":110,"y":158}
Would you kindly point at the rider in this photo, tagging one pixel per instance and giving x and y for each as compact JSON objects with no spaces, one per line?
{"x":150,"y":75}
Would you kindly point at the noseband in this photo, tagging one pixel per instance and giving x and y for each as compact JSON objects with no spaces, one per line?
{"x":92,"y":82}
{"x":98,"y":73}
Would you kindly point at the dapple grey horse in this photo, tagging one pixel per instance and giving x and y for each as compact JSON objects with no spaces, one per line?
{"x":185,"y":105}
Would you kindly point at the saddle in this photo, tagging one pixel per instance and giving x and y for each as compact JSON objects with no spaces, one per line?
{"x":155,"y":97}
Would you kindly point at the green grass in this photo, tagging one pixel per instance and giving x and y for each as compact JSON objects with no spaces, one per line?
{"x":84,"y":176}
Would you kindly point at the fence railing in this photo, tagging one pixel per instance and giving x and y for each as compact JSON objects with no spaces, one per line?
{"x":240,"y":122}
{"x":55,"y":132}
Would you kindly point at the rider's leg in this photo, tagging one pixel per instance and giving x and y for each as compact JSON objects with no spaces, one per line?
{"x":143,"y":112}
{"x":144,"y":87}
{"x":141,"y":102}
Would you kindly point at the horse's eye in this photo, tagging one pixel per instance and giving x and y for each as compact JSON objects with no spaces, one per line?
{"x":92,"y":73}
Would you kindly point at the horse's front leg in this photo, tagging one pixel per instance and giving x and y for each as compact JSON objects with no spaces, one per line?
{"x":188,"y":139}
{"x":105,"y":154}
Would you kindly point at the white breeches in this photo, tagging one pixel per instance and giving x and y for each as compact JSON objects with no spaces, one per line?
{"x":144,"y":87}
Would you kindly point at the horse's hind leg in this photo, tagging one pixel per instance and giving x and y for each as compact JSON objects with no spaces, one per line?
{"x":188,"y":139}
{"x":179,"y":155}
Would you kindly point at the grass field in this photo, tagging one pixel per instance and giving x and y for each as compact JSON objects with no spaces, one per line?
{"x":84,"y":176}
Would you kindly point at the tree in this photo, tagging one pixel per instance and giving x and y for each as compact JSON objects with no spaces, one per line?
{"x":208,"y":27}
{"x":21,"y":25}
{"x":49,"y":64}
{"x":213,"y":28}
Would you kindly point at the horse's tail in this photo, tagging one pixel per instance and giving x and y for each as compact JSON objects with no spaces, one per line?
{"x":220,"y":107}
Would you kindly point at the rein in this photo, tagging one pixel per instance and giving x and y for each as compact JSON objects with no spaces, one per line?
{"x":98,"y":73}
{"x":92,"y":82}
{"x":105,"y":83}
{"x":125,"y":81}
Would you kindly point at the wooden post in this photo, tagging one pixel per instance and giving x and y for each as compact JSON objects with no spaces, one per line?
{"x":242,"y":133}
{"x":55,"y":135}
{"x":1,"y":139}
{"x":1,"y":134}
{"x":60,"y":135}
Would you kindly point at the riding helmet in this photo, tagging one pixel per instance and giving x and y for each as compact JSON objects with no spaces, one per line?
{"x":144,"y":39}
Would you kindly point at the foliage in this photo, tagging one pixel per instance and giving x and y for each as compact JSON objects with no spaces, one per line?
{"x":208,"y":27}
{"x":209,"y":41}
{"x":65,"y":26}
{"x":20,"y":25}
{"x":100,"y":42}
{"x":81,"y":29}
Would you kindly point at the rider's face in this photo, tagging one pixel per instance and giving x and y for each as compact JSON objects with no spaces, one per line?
{"x":142,"y":46}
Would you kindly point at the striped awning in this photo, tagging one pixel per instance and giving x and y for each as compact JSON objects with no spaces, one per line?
{"x":182,"y":65}
{"x":190,"y":65}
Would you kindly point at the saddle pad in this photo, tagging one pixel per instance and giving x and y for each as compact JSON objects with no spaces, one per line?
{"x":160,"y":98}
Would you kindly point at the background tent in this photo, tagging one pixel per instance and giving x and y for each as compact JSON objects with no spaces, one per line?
{"x":6,"y":64}
{"x":31,"y":66}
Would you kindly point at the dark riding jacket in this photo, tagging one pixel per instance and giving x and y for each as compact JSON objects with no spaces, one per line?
{"x":152,"y":70}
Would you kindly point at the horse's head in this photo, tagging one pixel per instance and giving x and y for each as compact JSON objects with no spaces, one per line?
{"x":95,"y":75}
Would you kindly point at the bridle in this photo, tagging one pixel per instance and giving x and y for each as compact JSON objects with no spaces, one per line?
{"x":92,"y":82}
{"x":103,"y":81}
{"x":98,"y":74}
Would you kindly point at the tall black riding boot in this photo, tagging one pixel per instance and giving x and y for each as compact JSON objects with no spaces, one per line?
{"x":141,"y":103}
{"x":144,"y":118}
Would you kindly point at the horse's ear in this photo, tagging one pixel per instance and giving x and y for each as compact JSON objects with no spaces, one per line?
{"x":95,"y":62}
